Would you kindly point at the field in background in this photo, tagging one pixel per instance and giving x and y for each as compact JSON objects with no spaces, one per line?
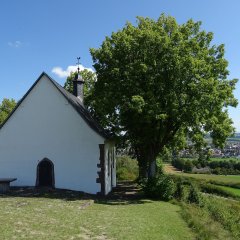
{"x":234,"y":191}
{"x":217,"y":159}
{"x":227,"y":179}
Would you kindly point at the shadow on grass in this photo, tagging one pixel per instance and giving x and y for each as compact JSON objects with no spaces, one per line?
{"x":124,"y":193}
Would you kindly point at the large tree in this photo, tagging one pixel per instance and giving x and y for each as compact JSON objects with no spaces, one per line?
{"x":158,"y":81}
{"x":6,"y":107}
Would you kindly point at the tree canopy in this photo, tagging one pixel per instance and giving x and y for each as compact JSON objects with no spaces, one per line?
{"x":160,"y":81}
{"x":6,"y":107}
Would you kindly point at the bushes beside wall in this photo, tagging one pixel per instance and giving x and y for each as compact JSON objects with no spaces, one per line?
{"x":167,"y":187}
{"x":127,"y":168}
{"x":160,"y":187}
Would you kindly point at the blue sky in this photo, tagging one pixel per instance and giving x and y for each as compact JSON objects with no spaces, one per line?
{"x":38,"y":36}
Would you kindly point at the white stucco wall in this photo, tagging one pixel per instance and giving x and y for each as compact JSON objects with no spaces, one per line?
{"x":46,"y":125}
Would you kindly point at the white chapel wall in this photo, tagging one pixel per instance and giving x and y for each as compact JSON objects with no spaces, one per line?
{"x":46,"y":125}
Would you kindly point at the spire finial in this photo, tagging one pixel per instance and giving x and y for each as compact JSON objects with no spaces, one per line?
{"x":78,"y":82}
{"x":78,"y":64}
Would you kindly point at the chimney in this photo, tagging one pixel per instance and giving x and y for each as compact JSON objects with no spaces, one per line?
{"x":78,"y":85}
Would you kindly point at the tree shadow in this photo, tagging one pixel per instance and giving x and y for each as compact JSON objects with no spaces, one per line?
{"x":45,"y":192}
{"x":121,"y":201}
{"x":125,"y":193}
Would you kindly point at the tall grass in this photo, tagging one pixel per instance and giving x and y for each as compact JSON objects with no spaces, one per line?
{"x":225,"y":212}
{"x":205,"y":227}
{"x":127,"y":168}
{"x":212,"y":217}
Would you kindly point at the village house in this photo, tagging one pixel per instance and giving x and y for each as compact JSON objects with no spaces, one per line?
{"x":51,"y":140}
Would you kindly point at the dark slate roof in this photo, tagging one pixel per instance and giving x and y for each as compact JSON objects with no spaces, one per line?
{"x":74,"y":101}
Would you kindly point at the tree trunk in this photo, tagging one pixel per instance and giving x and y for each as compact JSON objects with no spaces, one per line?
{"x":147,"y":161}
{"x":152,"y":169}
{"x":143,"y":173}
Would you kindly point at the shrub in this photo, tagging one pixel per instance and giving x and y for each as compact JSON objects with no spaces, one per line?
{"x":223,"y":167}
{"x":188,"y":166}
{"x":159,"y":163}
{"x":194,"y":195}
{"x":179,"y":192}
{"x":127,"y":168}
{"x":160,"y":187}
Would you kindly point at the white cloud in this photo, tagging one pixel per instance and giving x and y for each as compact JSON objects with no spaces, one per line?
{"x":15,"y":44}
{"x":65,"y":73}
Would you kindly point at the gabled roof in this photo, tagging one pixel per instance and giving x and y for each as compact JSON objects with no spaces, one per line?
{"x":74,"y":101}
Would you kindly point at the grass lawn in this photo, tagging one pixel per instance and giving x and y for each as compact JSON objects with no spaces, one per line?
{"x":219,"y":159}
{"x":216,"y":178}
{"x":234,"y":191}
{"x":221,"y":179}
{"x":225,"y":159}
{"x":48,"y":216}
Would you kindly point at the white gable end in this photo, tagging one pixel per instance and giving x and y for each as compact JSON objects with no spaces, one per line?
{"x":45,"y":125}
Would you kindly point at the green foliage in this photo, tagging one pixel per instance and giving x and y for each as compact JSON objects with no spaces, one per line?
{"x":201,"y":222}
{"x":127,"y":168}
{"x":6,"y":108}
{"x":160,"y":187}
{"x":166,"y":155}
{"x":218,"y":166}
{"x":226,"y":212}
{"x":185,"y":165}
{"x":210,"y":217}
{"x":194,"y":195}
{"x":160,"y":166}
{"x":160,"y":81}
{"x":179,"y":192}
{"x":188,"y":166}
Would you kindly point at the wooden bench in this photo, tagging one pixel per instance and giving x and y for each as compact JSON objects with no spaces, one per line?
{"x":5,"y":184}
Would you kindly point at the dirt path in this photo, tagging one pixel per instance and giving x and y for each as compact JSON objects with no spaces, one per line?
{"x":126,"y":191}
{"x":168,"y":168}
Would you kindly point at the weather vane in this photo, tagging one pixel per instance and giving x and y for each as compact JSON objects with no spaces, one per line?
{"x":78,"y":63}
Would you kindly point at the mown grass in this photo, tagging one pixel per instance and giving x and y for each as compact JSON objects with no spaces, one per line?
{"x":49,"y":218}
{"x":234,"y":191}
{"x":224,"y":180}
{"x":220,"y":159}
{"x":225,"y":159}
{"x":218,"y":179}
